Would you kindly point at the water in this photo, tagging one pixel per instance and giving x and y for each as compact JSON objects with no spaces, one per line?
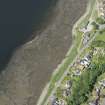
{"x":17,"y":19}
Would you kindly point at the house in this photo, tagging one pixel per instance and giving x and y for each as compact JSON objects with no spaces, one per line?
{"x":88,"y":57}
{"x":84,"y":62}
{"x":84,"y":30}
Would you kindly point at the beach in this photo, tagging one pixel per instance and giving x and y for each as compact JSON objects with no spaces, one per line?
{"x":32,"y":64}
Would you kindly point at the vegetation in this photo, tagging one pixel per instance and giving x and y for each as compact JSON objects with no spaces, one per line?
{"x":83,"y":87}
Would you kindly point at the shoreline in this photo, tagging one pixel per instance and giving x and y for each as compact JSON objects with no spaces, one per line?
{"x":44,"y":92}
{"x":33,"y":63}
{"x":80,"y":21}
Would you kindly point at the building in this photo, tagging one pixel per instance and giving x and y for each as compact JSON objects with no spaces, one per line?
{"x":88,"y":57}
{"x":85,"y":63}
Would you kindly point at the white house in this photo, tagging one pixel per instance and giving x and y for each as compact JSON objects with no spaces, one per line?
{"x":84,"y":62}
{"x":88,"y":57}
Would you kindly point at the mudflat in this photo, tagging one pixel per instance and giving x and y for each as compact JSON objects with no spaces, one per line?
{"x":31,"y":65}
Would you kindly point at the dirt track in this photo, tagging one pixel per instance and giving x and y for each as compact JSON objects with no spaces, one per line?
{"x":32,"y":65}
